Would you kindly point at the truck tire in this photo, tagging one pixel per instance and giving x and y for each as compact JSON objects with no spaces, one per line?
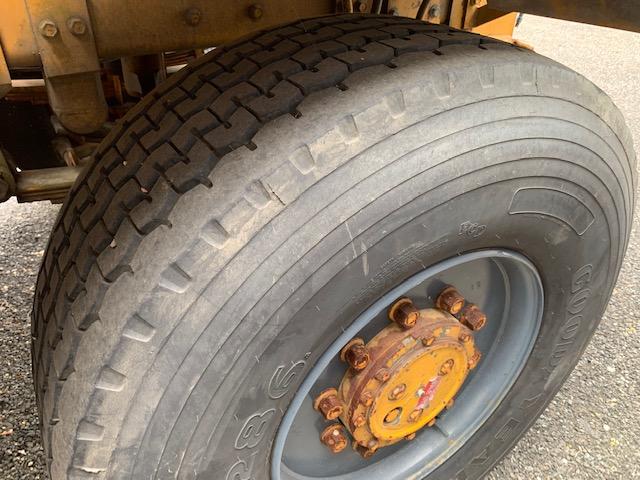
{"x":245,"y":213}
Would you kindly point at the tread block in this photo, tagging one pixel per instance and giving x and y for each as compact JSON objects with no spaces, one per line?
{"x":284,"y":99}
{"x":89,"y":431}
{"x":226,"y":104}
{"x":302,"y":159}
{"x":241,"y":72}
{"x":282,"y":50}
{"x":242,"y":127}
{"x":455,"y":38}
{"x":201,"y":98}
{"x":372,"y":54}
{"x":412,"y":43}
{"x":175,"y":279}
{"x":257,"y":195}
{"x":111,"y":380}
{"x":214,"y":234}
{"x":268,"y":77}
{"x":329,"y":72}
{"x":316,"y":36}
{"x":138,"y":329}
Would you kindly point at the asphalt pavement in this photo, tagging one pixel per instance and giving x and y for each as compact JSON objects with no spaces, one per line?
{"x":590,"y":431}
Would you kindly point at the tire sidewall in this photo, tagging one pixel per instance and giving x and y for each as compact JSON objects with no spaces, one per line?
{"x":576,"y":278}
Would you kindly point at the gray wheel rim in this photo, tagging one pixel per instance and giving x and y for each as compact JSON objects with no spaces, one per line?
{"x":508,"y":288}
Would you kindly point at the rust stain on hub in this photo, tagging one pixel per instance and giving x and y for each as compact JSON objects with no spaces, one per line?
{"x":407,"y":374}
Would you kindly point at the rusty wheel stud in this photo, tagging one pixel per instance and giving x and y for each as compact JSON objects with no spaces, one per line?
{"x":472,"y":317}
{"x":474,"y":360}
{"x":393,"y":415}
{"x":369,"y":450}
{"x":382,"y":375}
{"x":450,"y":300}
{"x":355,"y":353}
{"x":410,"y":437}
{"x":328,"y":404}
{"x":366,"y":398}
{"x":431,"y":422}
{"x":358,"y":420}
{"x":449,"y":404}
{"x":404,"y":313}
{"x":428,"y":341}
{"x":334,"y":437}
{"x":464,"y":337}
{"x":397,"y":392}
{"x":415,"y":415}
{"x":446,"y":367}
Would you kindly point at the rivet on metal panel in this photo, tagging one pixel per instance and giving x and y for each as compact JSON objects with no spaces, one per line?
{"x":193,"y":16}
{"x":256,"y":12}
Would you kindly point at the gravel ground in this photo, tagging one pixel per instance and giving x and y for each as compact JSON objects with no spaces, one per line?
{"x":590,"y":431}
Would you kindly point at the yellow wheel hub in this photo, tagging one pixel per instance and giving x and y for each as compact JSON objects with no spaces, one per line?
{"x":406,"y":375}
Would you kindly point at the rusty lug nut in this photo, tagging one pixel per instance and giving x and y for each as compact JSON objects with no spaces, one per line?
{"x":450,"y":300}
{"x":334,"y":437}
{"x":328,"y":404}
{"x":256,"y":12}
{"x":404,"y":313}
{"x":48,"y":28}
{"x":358,"y":420}
{"x":366,"y":398}
{"x":475,"y":359}
{"x":77,"y":26}
{"x":369,"y":450}
{"x":431,"y":422}
{"x":382,"y":375}
{"x":428,"y":341}
{"x":355,"y":353}
{"x":397,"y":391}
{"x":410,"y":437}
{"x":464,"y":337}
{"x":449,"y":404}
{"x":193,"y":16}
{"x":415,"y":415}
{"x":472,"y":317}
{"x":446,"y":367}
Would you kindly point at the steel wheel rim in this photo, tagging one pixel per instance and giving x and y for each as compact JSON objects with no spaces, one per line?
{"x":499,"y":281}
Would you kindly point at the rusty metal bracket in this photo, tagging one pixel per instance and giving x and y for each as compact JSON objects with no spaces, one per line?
{"x":64,"y":36}
{"x":5,"y":78}
{"x":66,"y":44}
